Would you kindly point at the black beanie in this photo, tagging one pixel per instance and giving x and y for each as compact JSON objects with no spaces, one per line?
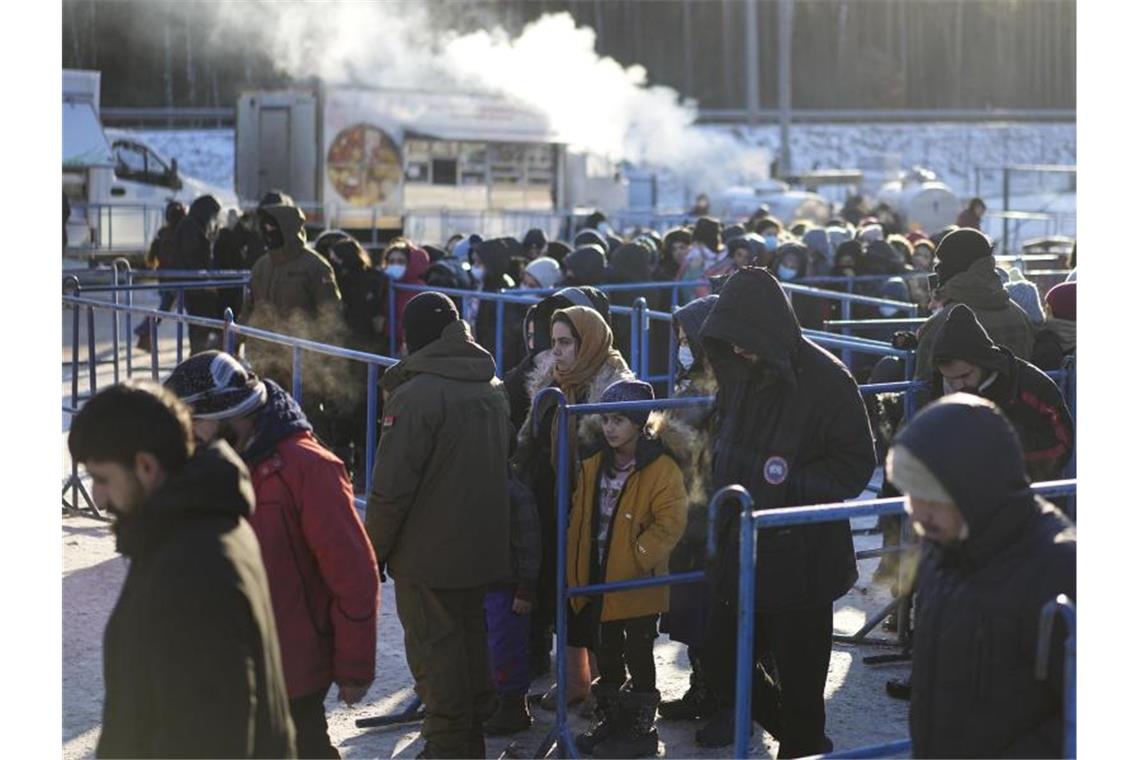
{"x":425,"y":316}
{"x":707,"y":231}
{"x":958,"y":250}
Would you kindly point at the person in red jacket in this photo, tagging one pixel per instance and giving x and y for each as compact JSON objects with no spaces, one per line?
{"x":322,"y":571}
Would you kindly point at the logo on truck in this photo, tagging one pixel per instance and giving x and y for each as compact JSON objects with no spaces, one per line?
{"x":364,"y":165}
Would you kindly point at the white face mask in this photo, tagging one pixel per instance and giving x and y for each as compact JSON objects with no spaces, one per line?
{"x":477,"y":273}
{"x":395,"y":271}
{"x":771,"y":243}
{"x":685,"y":357}
{"x":888,"y":311}
{"x":786,"y":273}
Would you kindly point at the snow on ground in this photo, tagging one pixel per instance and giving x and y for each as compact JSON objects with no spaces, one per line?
{"x":952,"y":150}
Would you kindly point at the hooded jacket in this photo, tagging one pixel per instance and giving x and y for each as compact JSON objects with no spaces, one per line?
{"x":793,"y":431}
{"x":192,"y":250}
{"x":496,"y":255}
{"x":981,"y":289}
{"x":321,"y":569}
{"x":439,"y":511}
{"x":630,"y":263}
{"x":647,"y":522}
{"x":194,"y":618}
{"x":1027,"y":396}
{"x":585,"y":266}
{"x":1056,"y":340}
{"x":974,"y":693}
{"x":418,"y":264}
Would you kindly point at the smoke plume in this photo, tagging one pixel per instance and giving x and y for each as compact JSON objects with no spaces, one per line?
{"x":593,"y":102}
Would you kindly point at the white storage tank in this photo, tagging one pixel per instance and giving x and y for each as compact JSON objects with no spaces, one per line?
{"x":924,"y":204}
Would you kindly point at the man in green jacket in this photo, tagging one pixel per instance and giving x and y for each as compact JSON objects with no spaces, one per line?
{"x":966,"y":275}
{"x":439,"y":516}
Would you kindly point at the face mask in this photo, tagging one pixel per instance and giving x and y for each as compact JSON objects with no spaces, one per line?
{"x":685,"y":357}
{"x":771,"y":243}
{"x":477,"y":273}
{"x":272,"y":236}
{"x":786,"y":273}
{"x":888,"y":311}
{"x":395,"y":271}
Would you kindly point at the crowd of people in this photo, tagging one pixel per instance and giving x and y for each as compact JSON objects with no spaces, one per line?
{"x":462,"y":514}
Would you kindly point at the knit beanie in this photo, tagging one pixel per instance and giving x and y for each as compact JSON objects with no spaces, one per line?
{"x":1025,"y":294}
{"x":958,"y":250}
{"x":216,"y":386}
{"x":1062,"y":300}
{"x":546,"y":270}
{"x":425,"y":316}
{"x":630,"y":390}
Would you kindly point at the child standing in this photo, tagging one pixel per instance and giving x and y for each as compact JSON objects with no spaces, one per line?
{"x":628,"y":513}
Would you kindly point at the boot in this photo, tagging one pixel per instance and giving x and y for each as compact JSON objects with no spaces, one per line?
{"x":511,"y":717}
{"x":639,"y":736}
{"x":899,"y":688}
{"x":720,"y":731}
{"x":697,"y":703}
{"x":143,"y":333}
{"x":610,"y":721}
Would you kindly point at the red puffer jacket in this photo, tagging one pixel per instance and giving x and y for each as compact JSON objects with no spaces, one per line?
{"x":321,"y":567}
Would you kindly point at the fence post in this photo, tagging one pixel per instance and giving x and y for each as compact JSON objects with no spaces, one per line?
{"x":635,"y":337}
{"x":392,"y":318}
{"x":1063,"y":605}
{"x":181,"y":312}
{"x":1005,"y":208}
{"x":563,"y":484}
{"x":297,"y":374}
{"x":643,"y":327}
{"x":499,"y":372}
{"x":129,"y":332}
{"x":908,"y":397}
{"x":745,"y":623}
{"x":228,"y":340}
{"x":152,"y":326}
{"x":92,"y":370}
{"x":115,"y":316}
{"x":370,"y":427}
{"x":845,"y":314}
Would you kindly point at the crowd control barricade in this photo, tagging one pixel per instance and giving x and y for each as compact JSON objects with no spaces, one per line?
{"x":1064,"y":607}
{"x":229,"y":331}
{"x":753,"y":520}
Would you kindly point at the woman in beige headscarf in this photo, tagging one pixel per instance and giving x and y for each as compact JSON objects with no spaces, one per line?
{"x":583,"y":363}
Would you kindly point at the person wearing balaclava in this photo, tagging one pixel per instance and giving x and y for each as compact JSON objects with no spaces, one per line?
{"x":688,"y":603}
{"x":534,"y":243}
{"x":439,"y":516}
{"x":583,"y":363}
{"x":1057,"y":338}
{"x":967,"y":360}
{"x":994,"y":554}
{"x":793,"y":430}
{"x":966,"y":275}
{"x":193,"y":245}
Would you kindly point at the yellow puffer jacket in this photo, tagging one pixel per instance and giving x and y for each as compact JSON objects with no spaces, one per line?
{"x":647,"y":523}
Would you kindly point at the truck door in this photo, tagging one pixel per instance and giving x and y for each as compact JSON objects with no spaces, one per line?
{"x":138,"y":193}
{"x":273,"y":160}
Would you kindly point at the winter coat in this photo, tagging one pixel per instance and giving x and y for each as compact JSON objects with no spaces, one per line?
{"x":418,"y":264}
{"x":969,"y":218}
{"x":439,"y":512}
{"x":192,"y":250}
{"x":1027,"y":396}
{"x":532,"y":460}
{"x":191,"y":666}
{"x":974,"y":692}
{"x":321,"y":569}
{"x":163,"y":254}
{"x":981,"y":289}
{"x":647,"y":522}
{"x":229,"y":253}
{"x":526,"y":539}
{"x":363,"y":293}
{"x":1056,"y":339}
{"x":630,"y":263}
{"x":496,"y":255}
{"x":794,"y":433}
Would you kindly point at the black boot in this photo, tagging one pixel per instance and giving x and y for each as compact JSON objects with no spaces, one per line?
{"x":611,"y":718}
{"x":720,"y":730}
{"x":697,"y":703}
{"x":143,"y":333}
{"x":639,"y":736}
{"x":511,"y":717}
{"x":899,"y":688}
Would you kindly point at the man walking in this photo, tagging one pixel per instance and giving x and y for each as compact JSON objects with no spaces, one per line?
{"x":993,"y":555}
{"x":792,"y":429}
{"x":439,"y":516}
{"x":321,"y":569}
{"x":190,"y":659}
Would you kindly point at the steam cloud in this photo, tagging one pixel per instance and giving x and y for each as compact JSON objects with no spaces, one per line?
{"x":594,"y":103}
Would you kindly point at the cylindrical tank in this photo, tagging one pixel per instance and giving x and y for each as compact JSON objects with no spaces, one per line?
{"x":737,"y":204}
{"x":794,"y":205}
{"x":928,"y":205}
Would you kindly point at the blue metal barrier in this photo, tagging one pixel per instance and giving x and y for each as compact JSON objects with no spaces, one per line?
{"x":229,"y":330}
{"x":1065,"y":607}
{"x":750,"y":522}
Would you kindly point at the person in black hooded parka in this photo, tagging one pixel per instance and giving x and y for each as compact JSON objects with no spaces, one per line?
{"x":792,"y":430}
{"x":193,"y":246}
{"x":496,"y":255}
{"x":630,"y":263}
{"x":993,"y":555}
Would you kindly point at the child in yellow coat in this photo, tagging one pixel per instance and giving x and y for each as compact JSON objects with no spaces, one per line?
{"x":628,"y":513}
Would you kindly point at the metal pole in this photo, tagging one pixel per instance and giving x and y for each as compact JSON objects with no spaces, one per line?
{"x":751,"y":61}
{"x":635,"y":336}
{"x":75,"y":354}
{"x":392,"y":318}
{"x":563,"y":485}
{"x":129,"y":334}
{"x":181,"y":312}
{"x":785,"y":94}
{"x":645,"y":322}
{"x":152,"y":326}
{"x":370,"y":427}
{"x":297,"y":374}
{"x":499,"y":339}
{"x":845,"y":314}
{"x":91,"y":369}
{"x":115,"y":317}
{"x":1005,"y":208}
{"x":228,"y":337}
{"x":745,"y":623}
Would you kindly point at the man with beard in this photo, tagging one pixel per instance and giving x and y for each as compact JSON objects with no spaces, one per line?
{"x":793,"y":430}
{"x":190,"y":657}
{"x":322,"y":572}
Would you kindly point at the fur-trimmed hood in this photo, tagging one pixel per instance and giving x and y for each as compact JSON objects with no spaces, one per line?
{"x":542,"y":376}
